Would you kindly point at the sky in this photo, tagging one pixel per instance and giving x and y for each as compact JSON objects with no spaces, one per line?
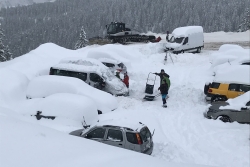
{"x":182,"y":136}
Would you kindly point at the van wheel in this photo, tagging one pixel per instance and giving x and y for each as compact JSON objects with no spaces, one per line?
{"x":224,"y":118}
{"x":198,"y":50}
{"x":182,"y":51}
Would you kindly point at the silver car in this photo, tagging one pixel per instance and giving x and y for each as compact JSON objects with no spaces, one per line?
{"x":228,"y":115}
{"x":137,"y":138}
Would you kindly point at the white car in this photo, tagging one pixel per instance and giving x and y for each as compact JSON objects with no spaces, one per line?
{"x":114,"y":65}
{"x":47,"y":85}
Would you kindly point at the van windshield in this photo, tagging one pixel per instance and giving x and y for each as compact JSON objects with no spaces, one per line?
{"x":178,"y":40}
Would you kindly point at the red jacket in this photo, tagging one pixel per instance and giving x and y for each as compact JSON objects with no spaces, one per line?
{"x":126,"y":80}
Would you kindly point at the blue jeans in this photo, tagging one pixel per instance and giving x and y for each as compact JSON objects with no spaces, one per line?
{"x":164,"y":98}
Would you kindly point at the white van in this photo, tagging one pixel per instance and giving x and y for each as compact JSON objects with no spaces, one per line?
{"x":186,"y":39}
{"x":93,"y":73}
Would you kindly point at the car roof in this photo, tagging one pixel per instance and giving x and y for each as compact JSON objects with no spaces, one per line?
{"x":126,"y":124}
{"x":79,"y":68}
{"x":108,"y":60}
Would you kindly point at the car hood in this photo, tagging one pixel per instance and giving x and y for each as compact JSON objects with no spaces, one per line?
{"x":173,"y":45}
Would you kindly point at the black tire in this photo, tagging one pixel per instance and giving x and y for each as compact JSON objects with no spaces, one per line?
{"x":224,"y":118}
{"x":198,"y":50}
{"x":182,"y":51}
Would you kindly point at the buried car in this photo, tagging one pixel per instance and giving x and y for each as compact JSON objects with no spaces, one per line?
{"x":92,"y":72}
{"x":136,"y":137}
{"x":237,"y":109}
{"x":47,"y":85}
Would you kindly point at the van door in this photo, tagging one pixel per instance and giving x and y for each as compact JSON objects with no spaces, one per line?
{"x":233,"y":91}
{"x":115,"y":138}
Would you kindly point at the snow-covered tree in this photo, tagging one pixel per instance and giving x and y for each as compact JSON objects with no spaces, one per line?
{"x":5,"y":54}
{"x":82,"y":41}
{"x":245,"y":25}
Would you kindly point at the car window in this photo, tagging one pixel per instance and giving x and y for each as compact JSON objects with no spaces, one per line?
{"x":233,"y":87}
{"x":131,"y":137}
{"x":248,"y":103}
{"x":244,"y":88}
{"x":95,"y":77}
{"x":60,"y":72}
{"x":80,"y":75}
{"x":97,"y":133}
{"x":145,"y":134}
{"x":115,"y":135}
{"x":215,"y":85}
{"x":185,"y":41}
{"x":109,"y":64}
{"x":121,"y":65}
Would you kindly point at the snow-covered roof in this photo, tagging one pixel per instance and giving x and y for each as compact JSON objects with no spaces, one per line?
{"x":184,"y":31}
{"x":126,"y":123}
{"x":238,"y":102}
{"x":234,"y":74}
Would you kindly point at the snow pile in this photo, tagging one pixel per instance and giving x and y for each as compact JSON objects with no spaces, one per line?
{"x":239,"y":74}
{"x":44,"y":86}
{"x":185,"y":31}
{"x":238,"y":102}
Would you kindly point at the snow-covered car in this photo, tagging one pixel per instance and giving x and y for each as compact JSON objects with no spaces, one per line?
{"x":229,"y":83}
{"x":63,"y":108}
{"x":44,"y":86}
{"x":237,"y":109}
{"x":120,"y":133}
{"x":93,"y":72}
{"x":186,"y":39}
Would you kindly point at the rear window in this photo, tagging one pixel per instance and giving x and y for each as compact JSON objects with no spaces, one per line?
{"x":145,"y":134}
{"x":131,"y":137}
{"x":215,"y":85}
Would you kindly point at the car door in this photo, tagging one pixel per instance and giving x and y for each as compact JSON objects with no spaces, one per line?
{"x":115,"y":137}
{"x":96,"y":134}
{"x":233,"y":91}
{"x":244,"y":114}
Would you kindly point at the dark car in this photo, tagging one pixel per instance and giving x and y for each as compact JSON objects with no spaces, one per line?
{"x":133,"y":137}
{"x":229,"y":114}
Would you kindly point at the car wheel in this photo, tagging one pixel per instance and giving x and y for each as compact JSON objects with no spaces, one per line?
{"x":198,"y":50}
{"x":182,"y":51}
{"x":224,"y":118}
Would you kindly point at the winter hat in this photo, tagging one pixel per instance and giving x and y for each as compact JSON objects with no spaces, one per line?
{"x":162,"y":70}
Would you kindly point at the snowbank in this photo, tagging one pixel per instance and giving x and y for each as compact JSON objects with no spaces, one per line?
{"x":238,"y":102}
{"x":44,"y":86}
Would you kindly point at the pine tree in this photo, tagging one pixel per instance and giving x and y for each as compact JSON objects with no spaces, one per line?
{"x":82,"y":41}
{"x":245,"y":25}
{"x":5,"y":54}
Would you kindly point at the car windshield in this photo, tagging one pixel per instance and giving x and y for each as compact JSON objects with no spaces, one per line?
{"x":176,"y":40}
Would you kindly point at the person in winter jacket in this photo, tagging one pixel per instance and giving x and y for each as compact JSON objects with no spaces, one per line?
{"x":126,"y":79}
{"x":162,"y":75}
{"x":164,"y":90}
{"x":167,"y":36}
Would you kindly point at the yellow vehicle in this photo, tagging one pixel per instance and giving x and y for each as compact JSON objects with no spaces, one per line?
{"x":228,"y":84}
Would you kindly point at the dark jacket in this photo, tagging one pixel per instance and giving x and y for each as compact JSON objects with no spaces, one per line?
{"x":162,"y":75}
{"x":163,"y":88}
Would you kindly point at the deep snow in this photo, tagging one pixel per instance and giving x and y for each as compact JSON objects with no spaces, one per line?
{"x":182,"y":135}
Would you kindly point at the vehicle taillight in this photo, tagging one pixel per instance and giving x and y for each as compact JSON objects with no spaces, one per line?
{"x":210,"y":90}
{"x":138,"y":138}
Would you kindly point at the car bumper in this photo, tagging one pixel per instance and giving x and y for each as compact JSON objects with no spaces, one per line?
{"x":208,"y":97}
{"x":149,"y":150}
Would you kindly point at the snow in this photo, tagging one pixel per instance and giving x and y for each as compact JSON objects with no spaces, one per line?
{"x":185,"y":31}
{"x":238,"y":102}
{"x":227,"y":37}
{"x":44,"y":86}
{"x":234,"y":74}
{"x":183,"y":137}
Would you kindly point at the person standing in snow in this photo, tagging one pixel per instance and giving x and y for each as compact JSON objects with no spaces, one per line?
{"x":164,"y":92}
{"x":167,"y":36}
{"x":164,"y":85}
{"x":126,"y":79}
{"x":162,"y":75}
